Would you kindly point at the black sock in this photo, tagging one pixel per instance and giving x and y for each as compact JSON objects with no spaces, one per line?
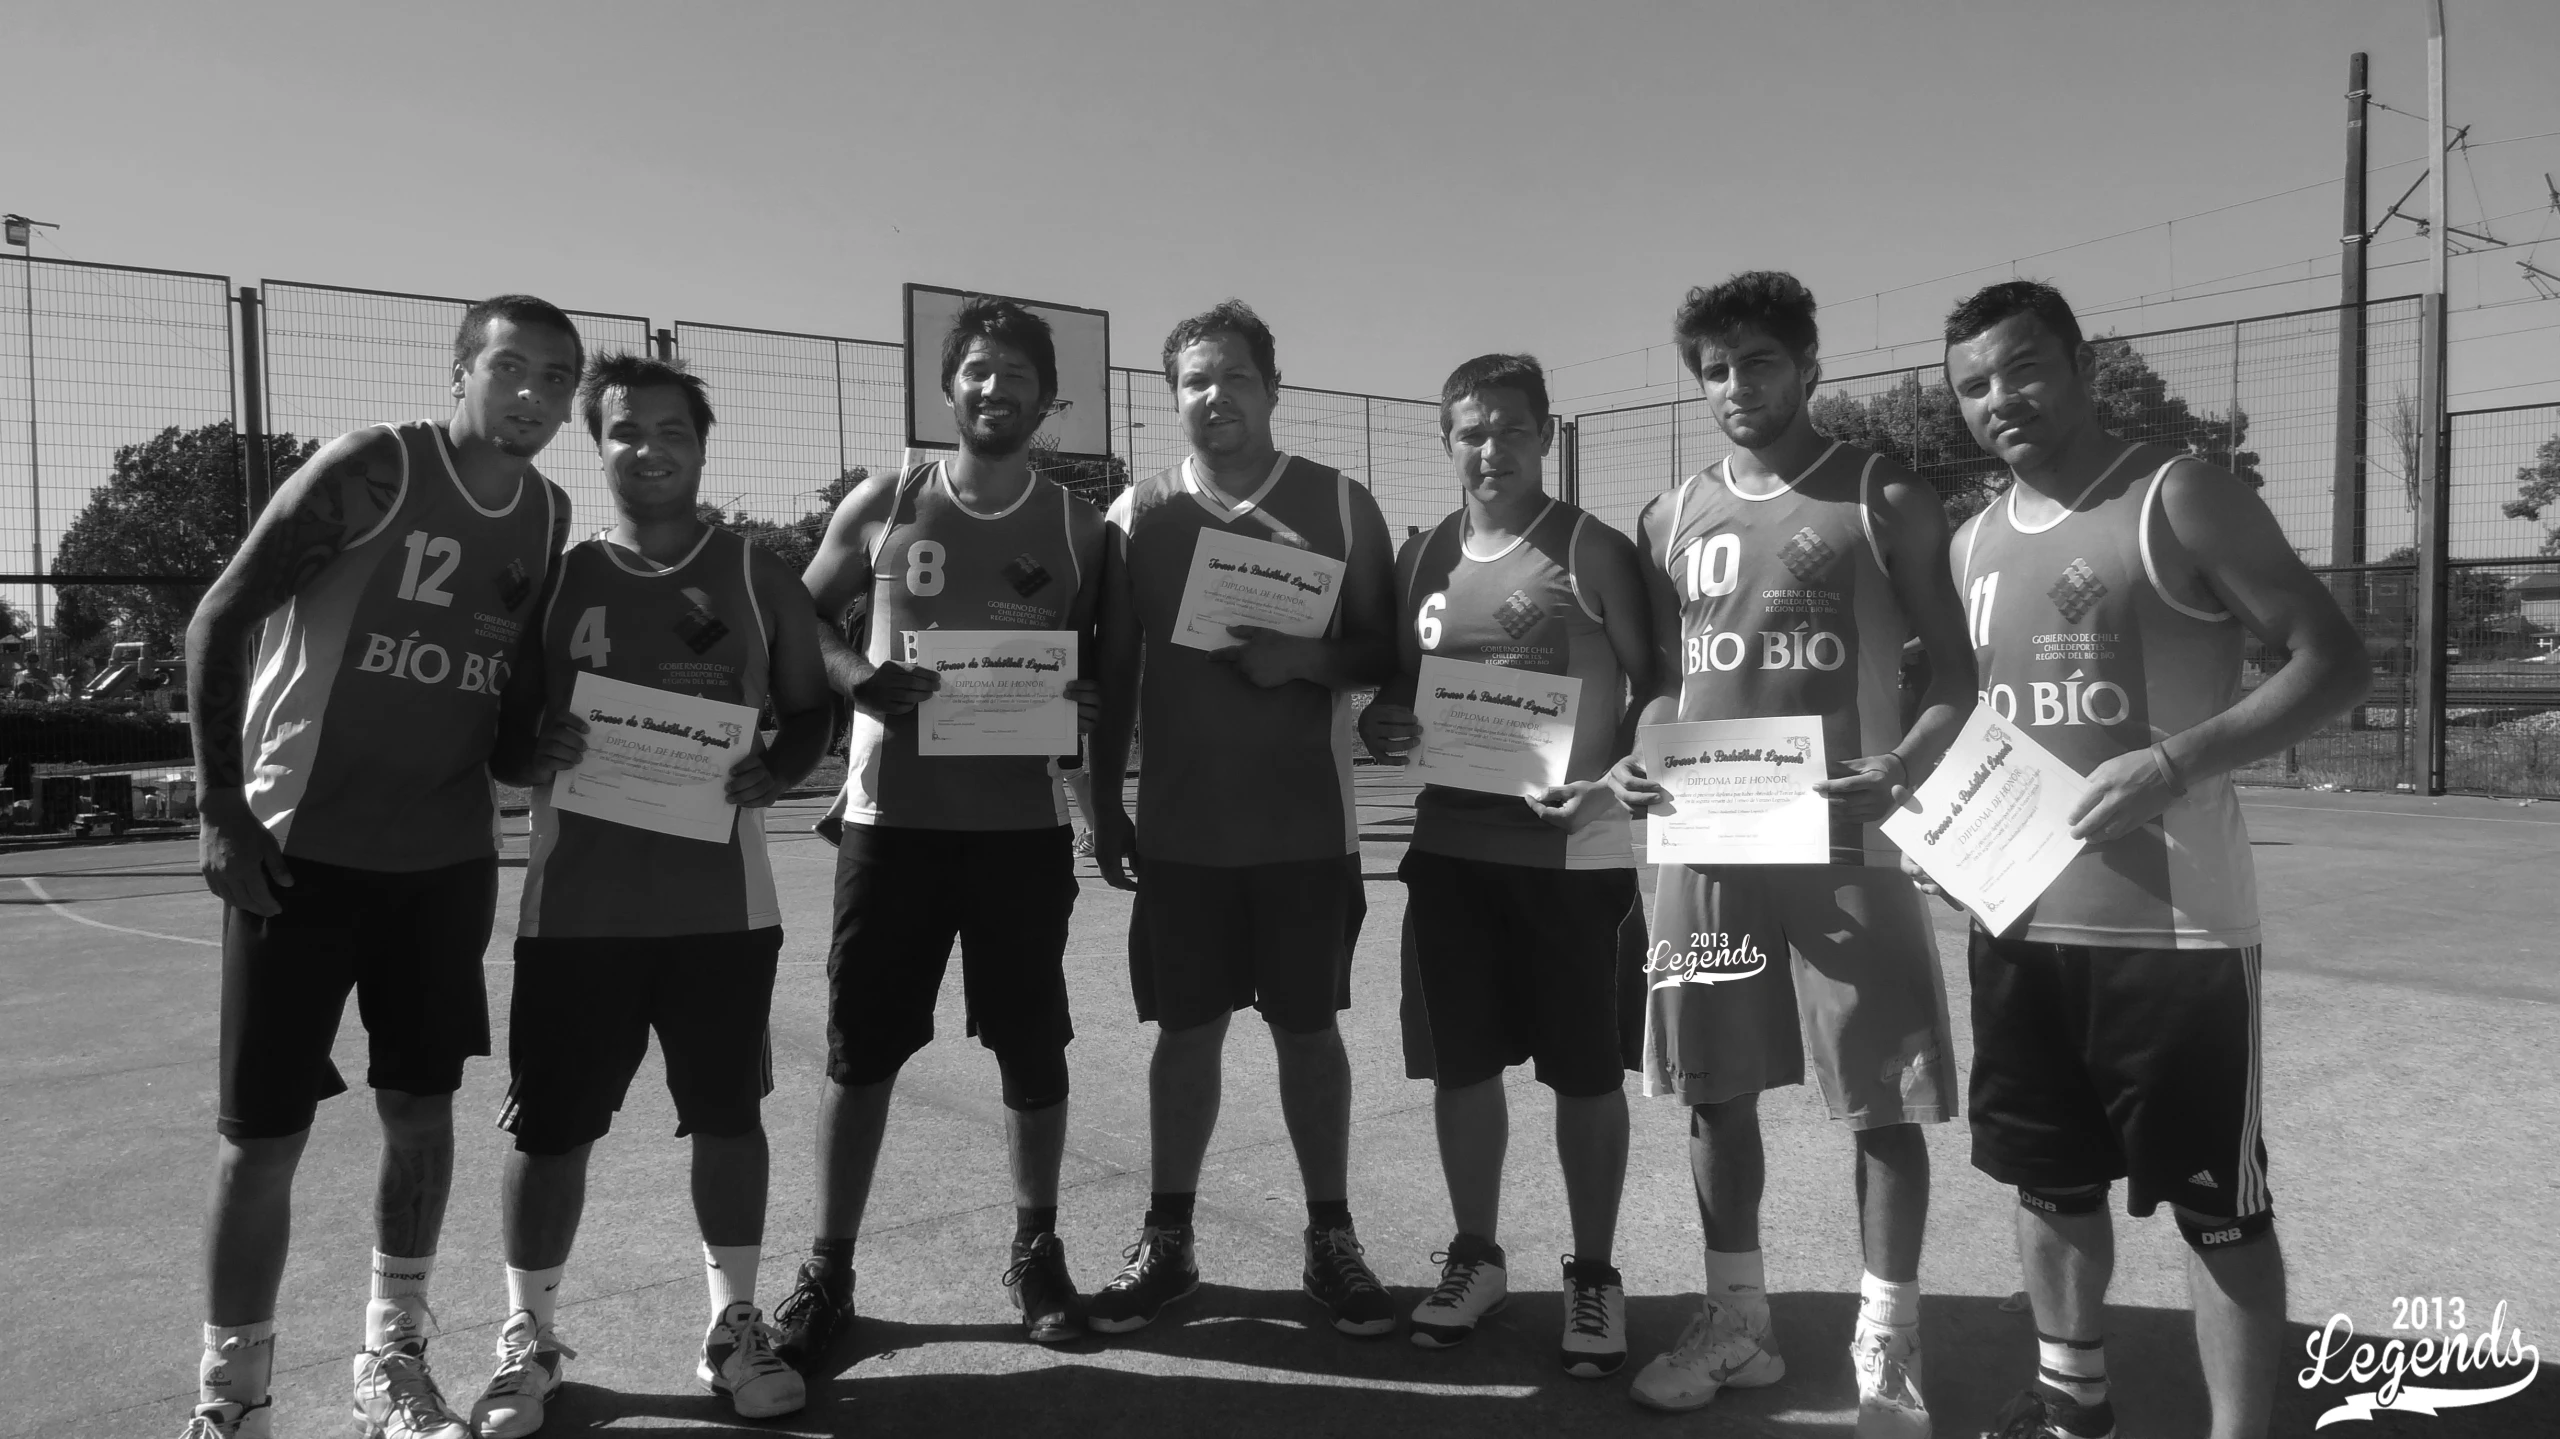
{"x":1171,"y":1211}
{"x":1324,"y":1214}
{"x":836,"y":1258}
{"x":1030,"y":1224}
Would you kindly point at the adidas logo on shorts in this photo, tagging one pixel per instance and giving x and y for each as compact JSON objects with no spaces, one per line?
{"x":2205,"y":1178}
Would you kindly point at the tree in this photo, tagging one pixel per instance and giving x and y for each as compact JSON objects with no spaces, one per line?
{"x":2479,"y":596}
{"x":2537,"y":486}
{"x":171,"y":506}
{"x":795,"y":542}
{"x":2407,"y":434}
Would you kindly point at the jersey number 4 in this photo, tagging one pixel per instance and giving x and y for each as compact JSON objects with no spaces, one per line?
{"x":422,"y":548}
{"x":1709,"y":567}
{"x":587,"y":641}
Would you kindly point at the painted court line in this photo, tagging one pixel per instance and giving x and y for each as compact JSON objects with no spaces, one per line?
{"x":2392,"y":813}
{"x":50,"y":903}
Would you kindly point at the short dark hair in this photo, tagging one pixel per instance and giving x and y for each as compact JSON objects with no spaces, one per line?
{"x":1771,"y":301}
{"x":1496,"y":372}
{"x":1227,"y":317}
{"x":473,"y":335}
{"x":1991,"y":304}
{"x":1006,"y":323}
{"x":622,"y":370}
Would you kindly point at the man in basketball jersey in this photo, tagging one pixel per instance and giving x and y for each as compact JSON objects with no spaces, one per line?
{"x":348,"y":829}
{"x":626,"y":930}
{"x":1246,"y":852}
{"x":1787,"y":579}
{"x":1513,"y":902}
{"x":2116,"y":1032}
{"x":932,"y":846}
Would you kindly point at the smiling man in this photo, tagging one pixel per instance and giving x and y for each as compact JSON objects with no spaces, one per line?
{"x":2116,"y":1034}
{"x":1513,"y":903}
{"x":627,"y":930}
{"x":348,"y":830}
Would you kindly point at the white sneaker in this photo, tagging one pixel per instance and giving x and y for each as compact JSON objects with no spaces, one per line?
{"x":396,"y":1398}
{"x":1724,"y":1347}
{"x":1473,"y":1284}
{"x":1595,"y":1320}
{"x":1887,"y":1358}
{"x":528,"y":1374}
{"x":229,"y":1419}
{"x":738,"y":1362}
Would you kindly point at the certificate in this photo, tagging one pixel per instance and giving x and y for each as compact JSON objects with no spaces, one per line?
{"x":1993,"y":825}
{"x":1484,"y":727}
{"x":655,"y":759}
{"x":1239,"y":581}
{"x":1739,"y":792}
{"x":1003,"y":692}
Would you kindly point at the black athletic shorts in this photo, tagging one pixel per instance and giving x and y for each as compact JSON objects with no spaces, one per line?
{"x":2091,"y":1065}
{"x":1208,"y":940}
{"x":902,"y":897}
{"x":1518,"y":963}
{"x":579,"y":1027}
{"x":408,"y":944}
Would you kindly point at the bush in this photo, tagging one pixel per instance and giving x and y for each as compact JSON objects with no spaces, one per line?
{"x":81,"y":732}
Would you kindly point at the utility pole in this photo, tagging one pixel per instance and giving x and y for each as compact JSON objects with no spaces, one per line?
{"x":2347,"y":485}
{"x":21,"y":233}
{"x":2434,"y":506}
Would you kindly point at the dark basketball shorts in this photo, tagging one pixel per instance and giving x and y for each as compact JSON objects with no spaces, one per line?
{"x":583,"y":1011}
{"x":1208,"y":940}
{"x":1753,"y":966}
{"x":408,"y":944}
{"x":1516,"y":964}
{"x":902,"y":897}
{"x":2091,"y":1065}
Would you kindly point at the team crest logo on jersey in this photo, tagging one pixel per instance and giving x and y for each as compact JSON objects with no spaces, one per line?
{"x":2077,"y":592}
{"x":514,"y":585}
{"x":1806,"y":555}
{"x":1518,"y":615}
{"x":700,"y":627}
{"x":1026,"y":576}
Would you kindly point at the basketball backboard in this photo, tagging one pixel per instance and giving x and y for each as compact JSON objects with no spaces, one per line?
{"x":1080,"y":427}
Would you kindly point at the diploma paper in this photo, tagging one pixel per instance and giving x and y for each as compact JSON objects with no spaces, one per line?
{"x":1237,"y":581}
{"x":1992,"y":826}
{"x":1484,"y":727}
{"x":1003,"y":692}
{"x":655,"y":760}
{"x":1740,"y":792}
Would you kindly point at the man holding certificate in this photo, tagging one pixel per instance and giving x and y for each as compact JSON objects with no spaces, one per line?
{"x":1786,"y":579}
{"x":1523,"y":624}
{"x":2116,"y":1032}
{"x":979,"y":576}
{"x":648,"y":903}
{"x":1246,"y":852}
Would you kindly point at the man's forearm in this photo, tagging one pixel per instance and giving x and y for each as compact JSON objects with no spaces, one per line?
{"x":1943,"y":707}
{"x":2309,"y":691}
{"x":798,"y":745}
{"x":217,"y":701}
{"x":847,"y":667}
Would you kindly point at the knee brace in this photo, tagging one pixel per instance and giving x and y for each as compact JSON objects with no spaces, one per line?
{"x":2205,"y":1236}
{"x":1033,"y":1079}
{"x":2081,"y":1199}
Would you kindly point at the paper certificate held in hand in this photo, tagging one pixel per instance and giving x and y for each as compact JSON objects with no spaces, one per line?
{"x":655,"y":759}
{"x":1484,"y":727}
{"x":1239,"y":581}
{"x":1740,"y":792}
{"x":1993,"y":824}
{"x":1003,"y":692}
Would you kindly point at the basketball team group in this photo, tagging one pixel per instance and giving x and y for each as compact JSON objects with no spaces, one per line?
{"x":410,"y":620}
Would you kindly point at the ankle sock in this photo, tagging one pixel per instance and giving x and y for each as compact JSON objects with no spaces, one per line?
{"x":403,"y":1282}
{"x":1325,"y":1214}
{"x":536,"y":1292}
{"x":1884,"y":1301}
{"x":1170,"y":1210}
{"x":1030,"y":1223}
{"x":1736,"y":1278}
{"x":835,"y":1263}
{"x":238,"y":1362}
{"x":2075,"y":1369}
{"x":730,"y":1271}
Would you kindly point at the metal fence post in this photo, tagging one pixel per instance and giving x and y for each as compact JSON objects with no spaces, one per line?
{"x":663,"y":342}
{"x":256,"y":472}
{"x":2434,"y":522}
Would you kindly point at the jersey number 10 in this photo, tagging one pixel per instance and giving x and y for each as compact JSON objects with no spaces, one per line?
{"x":1709,"y":567}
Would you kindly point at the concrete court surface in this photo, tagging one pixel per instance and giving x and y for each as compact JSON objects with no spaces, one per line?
{"x":2412,"y":1011}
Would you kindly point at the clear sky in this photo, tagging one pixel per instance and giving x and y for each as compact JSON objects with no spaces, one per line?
{"x":1395,"y":186}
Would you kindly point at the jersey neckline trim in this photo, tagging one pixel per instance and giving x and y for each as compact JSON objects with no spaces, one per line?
{"x":444,"y":452}
{"x":1468,"y":551}
{"x":2070,"y":509}
{"x":616,"y":552}
{"x":942,"y":477}
{"x":1215,"y":501}
{"x":1789,"y":488}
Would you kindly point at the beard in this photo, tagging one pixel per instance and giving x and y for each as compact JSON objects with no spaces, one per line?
{"x":1000,"y":440}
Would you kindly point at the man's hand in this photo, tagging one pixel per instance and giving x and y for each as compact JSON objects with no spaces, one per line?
{"x":1115,"y":845}
{"x":1088,"y":697}
{"x":1389,"y":731}
{"x":1874,"y":786}
{"x":1633,"y":787}
{"x":1921,"y":881}
{"x":2124,"y":793}
{"x":752,"y":785}
{"x":1571,"y":806}
{"x":894,"y":689}
{"x":562,"y":744}
{"x":1269,"y":658}
{"x":242,"y":863}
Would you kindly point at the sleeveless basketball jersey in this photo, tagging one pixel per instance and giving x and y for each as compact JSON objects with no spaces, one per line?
{"x":1521,"y":607}
{"x":2080,"y":646}
{"x":692,"y":628}
{"x":1230,"y":773}
{"x":375,"y":701}
{"x":939,"y":565}
{"x":1786,"y":609}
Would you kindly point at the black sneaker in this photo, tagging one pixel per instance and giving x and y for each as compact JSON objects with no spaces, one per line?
{"x":1339,"y":1279}
{"x":2041,"y":1413}
{"x":1160,"y":1270}
{"x":1037,"y":1283}
{"x":812,"y":1316}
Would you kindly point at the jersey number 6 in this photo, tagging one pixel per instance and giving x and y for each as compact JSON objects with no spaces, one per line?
{"x":1427,"y":623}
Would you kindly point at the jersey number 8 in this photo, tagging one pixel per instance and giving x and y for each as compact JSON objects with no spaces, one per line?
{"x":924,"y":568}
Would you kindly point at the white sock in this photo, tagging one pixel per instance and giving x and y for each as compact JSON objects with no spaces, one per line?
{"x":536,"y":1292}
{"x":1882,"y":1301}
{"x":731,"y":1271}
{"x":237,"y":1362}
{"x":2076,"y":1368}
{"x":1736,"y":1279}
{"x":404,"y":1282}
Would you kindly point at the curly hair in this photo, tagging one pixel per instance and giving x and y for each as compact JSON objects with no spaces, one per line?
{"x":1771,"y":301}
